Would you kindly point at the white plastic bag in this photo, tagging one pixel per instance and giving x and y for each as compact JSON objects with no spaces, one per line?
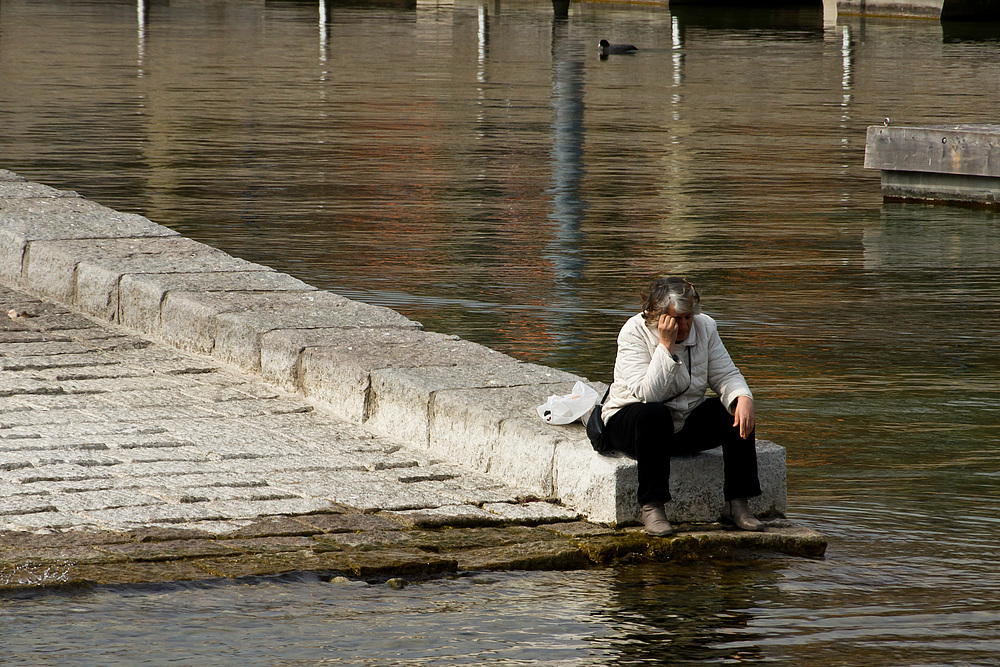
{"x":568,"y":408}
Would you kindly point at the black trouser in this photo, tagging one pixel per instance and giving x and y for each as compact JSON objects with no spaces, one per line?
{"x":645,"y":431}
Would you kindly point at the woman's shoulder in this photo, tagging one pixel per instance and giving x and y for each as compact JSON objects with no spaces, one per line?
{"x":634,"y":322}
{"x":633,"y":326}
{"x":705,"y":321}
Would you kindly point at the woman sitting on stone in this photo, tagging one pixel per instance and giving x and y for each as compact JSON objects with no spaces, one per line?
{"x":668,"y":356}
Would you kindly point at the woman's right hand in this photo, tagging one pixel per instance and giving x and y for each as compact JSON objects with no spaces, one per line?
{"x":667,"y":328}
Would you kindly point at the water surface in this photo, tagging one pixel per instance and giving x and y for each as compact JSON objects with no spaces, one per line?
{"x":477,"y":167}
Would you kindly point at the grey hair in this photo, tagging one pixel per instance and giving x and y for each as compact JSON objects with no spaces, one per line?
{"x":670,"y":291}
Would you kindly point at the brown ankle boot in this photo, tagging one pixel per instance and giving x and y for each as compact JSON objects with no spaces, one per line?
{"x":655,"y":520}
{"x":737,"y":512}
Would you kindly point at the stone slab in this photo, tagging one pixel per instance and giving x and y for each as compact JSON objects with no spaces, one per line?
{"x":696,"y":484}
{"x":46,"y":521}
{"x":66,"y":218}
{"x":283,"y":352}
{"x":532,"y":513}
{"x":497,"y":430}
{"x":185,"y":453}
{"x":400,"y":405}
{"x":239,"y":334}
{"x":339,"y":374}
{"x":103,"y":499}
{"x":126,"y":518}
{"x":86,"y":273}
{"x":140,"y":295}
{"x":61,"y":218}
{"x":603,"y":487}
{"x":20,"y":189}
{"x":448,"y":515}
{"x":251,"y":509}
{"x":236,"y":321}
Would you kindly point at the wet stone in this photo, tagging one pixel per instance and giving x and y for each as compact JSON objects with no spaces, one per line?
{"x":578,"y":529}
{"x":166,"y":534}
{"x":137,"y":573}
{"x":449,"y":515}
{"x":61,"y":539}
{"x":608,"y":549}
{"x":169,"y":550}
{"x":391,"y":562}
{"x":269,"y":545}
{"x":531,"y":513}
{"x":274,"y":526}
{"x":55,"y":555}
{"x":28,"y":575}
{"x":273,"y":564}
{"x":554,"y":555}
{"x":363,"y":541}
{"x":350,"y":523}
{"x":458,"y":539}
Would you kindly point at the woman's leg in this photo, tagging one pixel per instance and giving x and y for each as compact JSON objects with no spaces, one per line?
{"x":711,"y":425}
{"x":644,"y":431}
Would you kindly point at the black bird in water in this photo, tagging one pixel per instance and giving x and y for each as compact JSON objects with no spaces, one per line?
{"x":606,"y":48}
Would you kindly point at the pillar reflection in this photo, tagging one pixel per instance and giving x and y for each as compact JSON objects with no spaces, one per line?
{"x":567,"y":153}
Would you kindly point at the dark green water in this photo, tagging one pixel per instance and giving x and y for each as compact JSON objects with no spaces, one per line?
{"x":477,"y":167}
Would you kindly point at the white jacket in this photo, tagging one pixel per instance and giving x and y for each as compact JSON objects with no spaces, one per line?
{"x":645,"y":372}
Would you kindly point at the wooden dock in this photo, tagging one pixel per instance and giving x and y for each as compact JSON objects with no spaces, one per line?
{"x":937,"y":163}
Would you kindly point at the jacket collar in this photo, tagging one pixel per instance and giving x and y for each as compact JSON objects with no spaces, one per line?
{"x":692,"y":338}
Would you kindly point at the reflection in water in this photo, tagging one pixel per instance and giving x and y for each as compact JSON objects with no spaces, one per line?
{"x":806,"y":18}
{"x":567,"y":160}
{"x":969,"y":31}
{"x":485,"y":173}
{"x":930,"y":238}
{"x":661,"y":619}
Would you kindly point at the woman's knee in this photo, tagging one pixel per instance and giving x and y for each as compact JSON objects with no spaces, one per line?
{"x":652,"y":415}
{"x":634,"y":425}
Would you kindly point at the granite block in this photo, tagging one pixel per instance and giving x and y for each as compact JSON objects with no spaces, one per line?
{"x":401,"y":401}
{"x":340,"y":375}
{"x":141,"y":295}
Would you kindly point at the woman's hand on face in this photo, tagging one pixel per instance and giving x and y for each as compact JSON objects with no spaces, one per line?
{"x":667,"y":328}
{"x":745,"y":418}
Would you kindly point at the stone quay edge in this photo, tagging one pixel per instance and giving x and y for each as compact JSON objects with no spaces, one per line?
{"x":462,"y":413}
